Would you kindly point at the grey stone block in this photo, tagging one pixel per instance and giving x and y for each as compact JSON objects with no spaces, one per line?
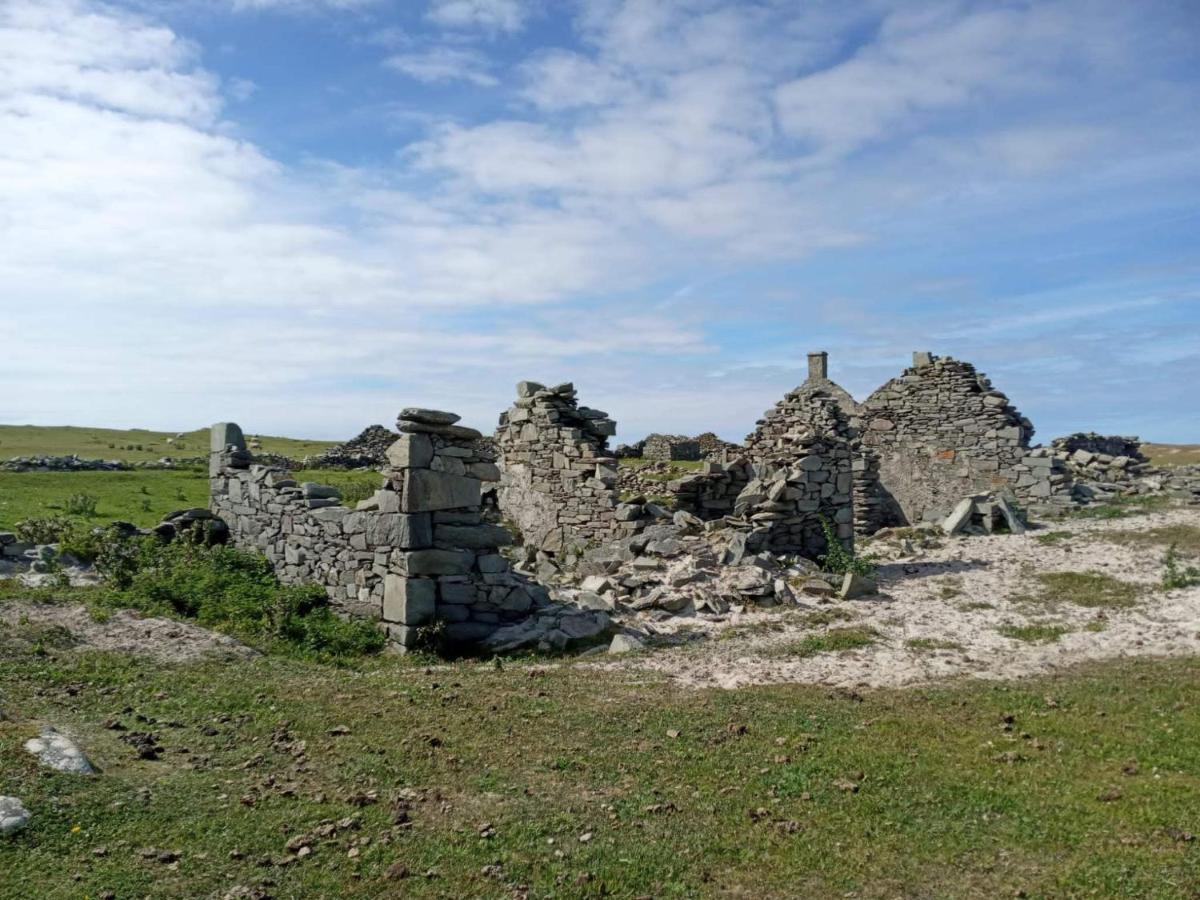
{"x":437,"y":562}
{"x":407,"y":532}
{"x":411,"y":451}
{"x":472,"y":537}
{"x":410,"y":601}
{"x":223,"y":434}
{"x":425,"y":491}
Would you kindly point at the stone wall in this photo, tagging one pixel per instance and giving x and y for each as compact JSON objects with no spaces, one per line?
{"x":558,"y":483}
{"x":414,"y":555}
{"x":941,"y":432}
{"x":670,"y":447}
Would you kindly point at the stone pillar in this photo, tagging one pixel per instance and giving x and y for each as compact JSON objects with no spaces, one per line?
{"x":922,"y":358}
{"x":448,"y":568}
{"x":227,"y":448}
{"x":818,"y":366}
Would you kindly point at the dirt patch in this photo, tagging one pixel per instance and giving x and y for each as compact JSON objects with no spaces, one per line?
{"x":961,"y":609}
{"x":70,"y":626}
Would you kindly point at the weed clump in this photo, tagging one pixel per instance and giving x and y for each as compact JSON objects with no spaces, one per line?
{"x":1176,"y":574}
{"x":837,"y":560}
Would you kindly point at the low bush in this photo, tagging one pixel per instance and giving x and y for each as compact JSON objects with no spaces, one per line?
{"x":81,"y":504}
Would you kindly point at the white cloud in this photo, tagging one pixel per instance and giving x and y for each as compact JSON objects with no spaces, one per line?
{"x":490,"y":15}
{"x":444,"y":64}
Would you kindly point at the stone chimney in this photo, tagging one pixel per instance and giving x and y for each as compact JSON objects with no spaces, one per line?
{"x":922,"y":358}
{"x":818,"y":366}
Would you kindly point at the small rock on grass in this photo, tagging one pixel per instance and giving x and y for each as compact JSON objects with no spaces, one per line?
{"x":13,"y":815}
{"x":58,"y":751}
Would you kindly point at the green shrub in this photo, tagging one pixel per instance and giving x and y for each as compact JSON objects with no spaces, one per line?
{"x":837,"y":560}
{"x":46,"y":530}
{"x":233,"y":591}
{"x":81,"y":505}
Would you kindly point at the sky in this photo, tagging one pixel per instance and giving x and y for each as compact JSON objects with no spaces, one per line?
{"x":304,"y":215}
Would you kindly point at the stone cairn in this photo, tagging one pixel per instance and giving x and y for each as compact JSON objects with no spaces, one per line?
{"x":558,"y":484}
{"x":670,"y":448}
{"x":366,"y":450}
{"x":416,"y":554}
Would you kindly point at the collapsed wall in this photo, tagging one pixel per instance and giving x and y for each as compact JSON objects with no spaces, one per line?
{"x":787,"y":484}
{"x":558,"y":483}
{"x":941,"y":432}
{"x":1104,"y":458}
{"x":414,"y":555}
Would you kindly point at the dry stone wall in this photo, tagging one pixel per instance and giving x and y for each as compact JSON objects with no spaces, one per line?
{"x":414,"y":555}
{"x":558,"y":485}
{"x":671,"y":447}
{"x":941,"y":432}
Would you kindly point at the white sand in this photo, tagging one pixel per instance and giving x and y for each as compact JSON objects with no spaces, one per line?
{"x":995,"y":570}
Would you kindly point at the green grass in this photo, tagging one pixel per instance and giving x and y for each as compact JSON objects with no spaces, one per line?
{"x":1093,"y":590}
{"x":1185,"y":538}
{"x":141,"y":496}
{"x":1123,"y":507}
{"x":470,"y":781}
{"x":932,"y":644}
{"x":679,"y":467}
{"x":93,"y":443}
{"x":835,"y":640}
{"x":1051,"y":538}
{"x":1034,"y":633}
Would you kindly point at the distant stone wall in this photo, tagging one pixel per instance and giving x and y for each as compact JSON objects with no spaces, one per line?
{"x":558,"y":481}
{"x":671,"y":447}
{"x":415,"y":554}
{"x":941,"y":432}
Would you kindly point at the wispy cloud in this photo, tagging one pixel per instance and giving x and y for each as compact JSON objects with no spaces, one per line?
{"x":444,"y":64}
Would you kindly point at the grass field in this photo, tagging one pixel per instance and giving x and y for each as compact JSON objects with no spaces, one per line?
{"x":141,"y":496}
{"x":136,"y":445}
{"x":1172,"y":454}
{"x":472,"y":780}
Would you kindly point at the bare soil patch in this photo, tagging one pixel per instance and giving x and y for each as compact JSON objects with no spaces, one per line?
{"x":70,"y":626}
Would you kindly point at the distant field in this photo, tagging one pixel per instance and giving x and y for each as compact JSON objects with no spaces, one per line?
{"x":142,"y":496}
{"x":1172,"y":454}
{"x":133,"y":445}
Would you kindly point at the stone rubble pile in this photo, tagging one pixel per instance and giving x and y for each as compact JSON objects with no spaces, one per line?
{"x":983,"y":514}
{"x":683,"y":567}
{"x":367,"y":450}
{"x":559,"y":483}
{"x":669,"y":447}
{"x":1108,"y":459}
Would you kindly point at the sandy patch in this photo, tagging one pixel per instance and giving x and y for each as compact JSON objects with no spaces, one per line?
{"x":959,"y":596}
{"x":71,"y":627}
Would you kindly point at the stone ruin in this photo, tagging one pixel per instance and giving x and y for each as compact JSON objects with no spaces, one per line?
{"x":416,"y":557}
{"x":671,"y":448}
{"x":937,"y":444}
{"x":558,"y":484}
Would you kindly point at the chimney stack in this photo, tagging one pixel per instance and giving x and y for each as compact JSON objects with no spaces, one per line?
{"x":818,"y":366}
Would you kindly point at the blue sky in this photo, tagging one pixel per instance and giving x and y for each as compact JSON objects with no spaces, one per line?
{"x":305,"y":214}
